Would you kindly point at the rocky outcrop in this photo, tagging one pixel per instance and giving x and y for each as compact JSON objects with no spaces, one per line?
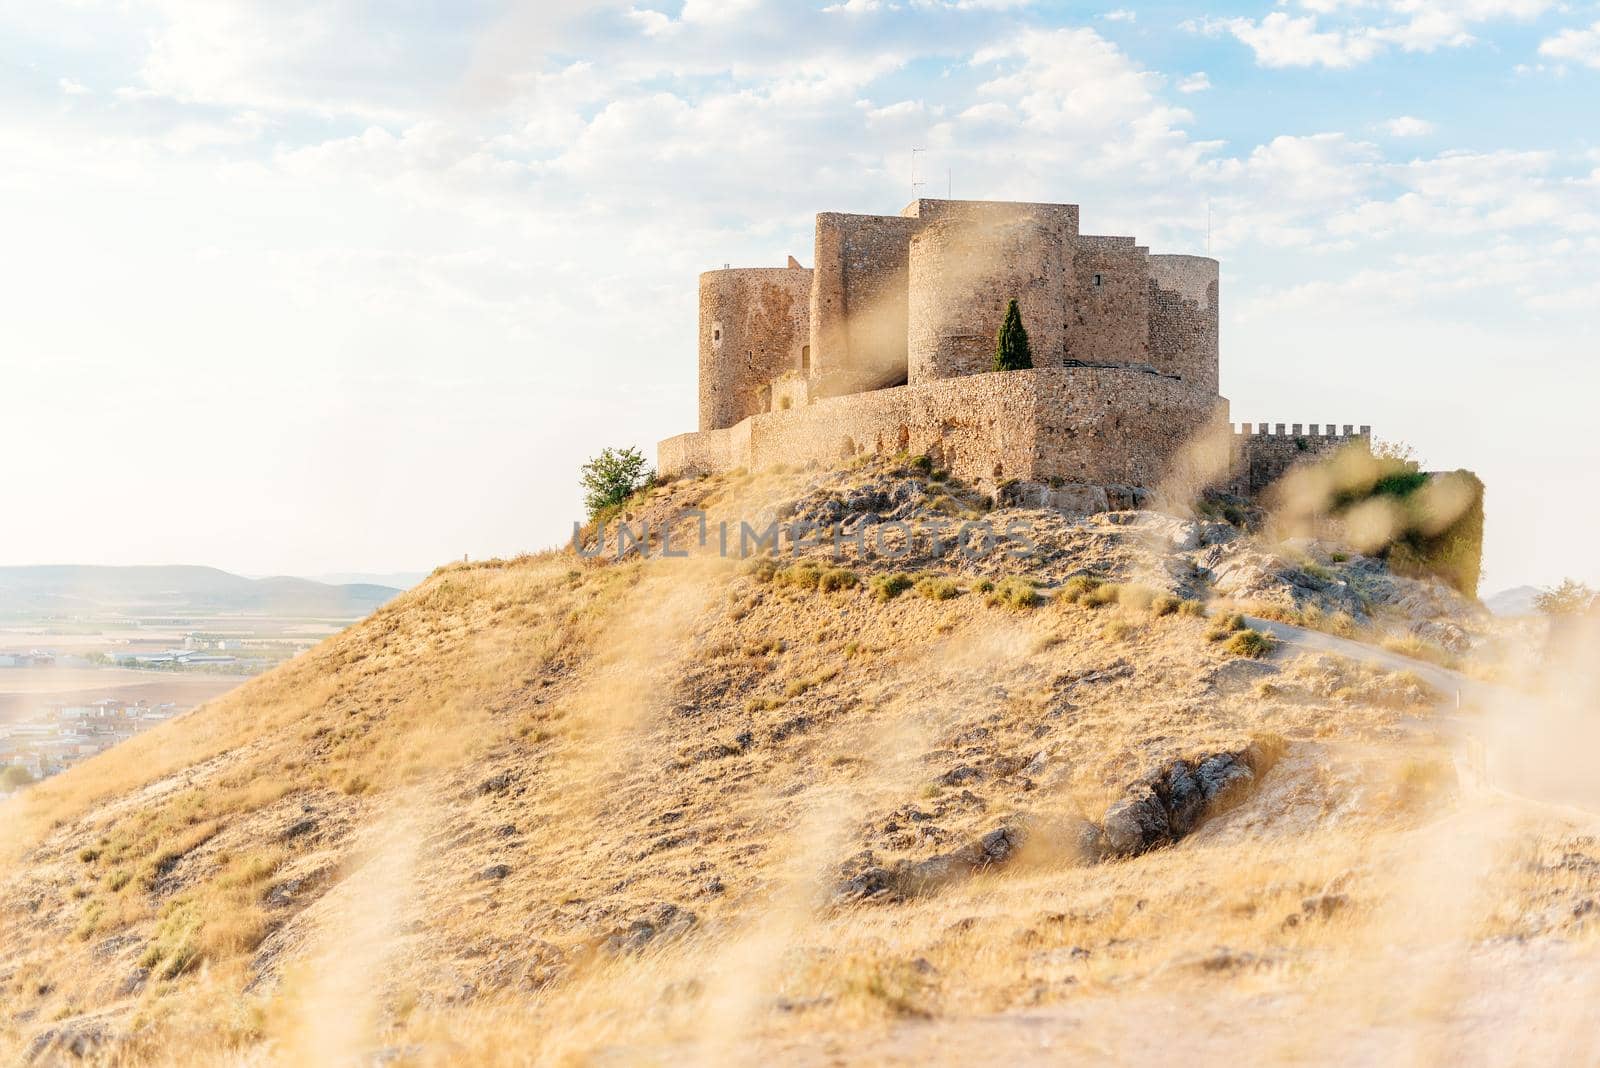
{"x":1168,"y":805}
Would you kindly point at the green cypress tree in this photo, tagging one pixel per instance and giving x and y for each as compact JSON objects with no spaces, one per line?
{"x":1011,"y":351}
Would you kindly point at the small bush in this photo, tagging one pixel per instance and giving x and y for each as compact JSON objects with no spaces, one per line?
{"x":983,"y":586}
{"x":937,"y":588}
{"x":611,"y":478}
{"x":1137,"y":597}
{"x":803,"y":576}
{"x":838,"y":578}
{"x":888,"y":587}
{"x":1190,"y":608}
{"x":923,"y":464}
{"x":1105,"y":594}
{"x":1250,"y":643}
{"x":1014,"y":592}
{"x":1226,"y":626}
{"x":1076,"y":588}
{"x":1117,"y":630}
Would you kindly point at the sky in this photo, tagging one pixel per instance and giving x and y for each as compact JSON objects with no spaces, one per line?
{"x":293,"y":287}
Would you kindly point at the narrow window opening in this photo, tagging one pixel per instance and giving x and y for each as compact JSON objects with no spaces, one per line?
{"x":1099,"y":280}
{"x":805,"y":357}
{"x":716,"y":335}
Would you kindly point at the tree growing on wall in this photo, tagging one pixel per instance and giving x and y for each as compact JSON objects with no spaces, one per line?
{"x":611,"y":478}
{"x":1011,"y":351}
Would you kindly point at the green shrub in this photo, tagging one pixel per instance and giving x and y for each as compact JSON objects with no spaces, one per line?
{"x":611,"y":478}
{"x":1226,"y":626}
{"x":1250,"y":643}
{"x":937,"y":588}
{"x":838,"y":578}
{"x":1076,"y":588}
{"x":1014,"y":592}
{"x":888,"y":587}
{"x":983,"y":586}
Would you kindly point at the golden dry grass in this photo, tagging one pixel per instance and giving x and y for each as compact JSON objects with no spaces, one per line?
{"x":471,"y":830}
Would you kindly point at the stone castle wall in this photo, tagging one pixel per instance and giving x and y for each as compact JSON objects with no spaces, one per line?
{"x":1263,"y":456}
{"x":754,"y":326}
{"x":964,"y":273}
{"x":887,"y":345}
{"x":1092,"y":425}
{"x":1110,"y":302}
{"x":857,"y":307}
{"x":1184,"y":318}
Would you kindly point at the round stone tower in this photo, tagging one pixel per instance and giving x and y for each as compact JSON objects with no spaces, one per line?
{"x":755,"y":325}
{"x":965,"y":268}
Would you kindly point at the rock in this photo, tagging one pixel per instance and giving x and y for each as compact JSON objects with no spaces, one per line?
{"x":913,"y":879}
{"x":662,"y":920}
{"x":957,"y":776}
{"x":1127,"y":498}
{"x":78,"y":1039}
{"x":1446,"y":635}
{"x":1168,"y":805}
{"x":133,"y":983}
{"x":1322,"y":906}
{"x":493,"y":873}
{"x":1078,"y":501}
{"x":497,"y":784}
{"x":1240,"y":676}
{"x":299,"y":830}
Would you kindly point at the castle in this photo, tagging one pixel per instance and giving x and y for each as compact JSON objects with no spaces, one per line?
{"x":886,"y":345}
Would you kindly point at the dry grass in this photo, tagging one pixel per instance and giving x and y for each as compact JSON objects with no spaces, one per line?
{"x":440,"y":832}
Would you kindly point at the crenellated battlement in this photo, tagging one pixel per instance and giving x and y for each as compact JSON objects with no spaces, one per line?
{"x":1265,"y":452}
{"x":1291,"y":432}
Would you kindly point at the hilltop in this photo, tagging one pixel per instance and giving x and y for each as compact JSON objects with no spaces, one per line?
{"x":558,"y":810}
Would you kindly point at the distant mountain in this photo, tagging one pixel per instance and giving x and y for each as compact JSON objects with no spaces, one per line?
{"x":77,"y":590}
{"x":400,"y":580}
{"x":1513,"y":602}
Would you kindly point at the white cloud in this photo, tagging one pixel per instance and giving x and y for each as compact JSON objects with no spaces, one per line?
{"x":1360,"y":30}
{"x":1282,"y":40}
{"x":72,"y":88}
{"x":1577,"y":46}
{"x":1198,"y":82}
{"x":1408,"y":126}
{"x":1121,"y":15}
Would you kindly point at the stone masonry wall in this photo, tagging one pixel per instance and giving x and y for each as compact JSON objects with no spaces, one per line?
{"x":1262,"y":457}
{"x":964,"y":273}
{"x":858,"y":302}
{"x":1098,"y":426}
{"x":1110,"y":317}
{"x":1184,"y":334}
{"x":754,"y":326}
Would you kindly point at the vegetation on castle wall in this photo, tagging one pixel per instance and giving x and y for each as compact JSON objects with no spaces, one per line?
{"x":1423,"y":524}
{"x":1012,"y":352}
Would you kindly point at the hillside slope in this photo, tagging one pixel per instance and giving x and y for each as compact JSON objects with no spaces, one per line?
{"x":693,"y":811}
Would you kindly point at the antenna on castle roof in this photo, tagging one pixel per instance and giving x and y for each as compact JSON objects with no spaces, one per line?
{"x":916,"y":185}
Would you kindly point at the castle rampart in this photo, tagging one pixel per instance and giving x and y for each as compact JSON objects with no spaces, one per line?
{"x":1093,"y":425}
{"x":887,"y":345}
{"x":1262,"y":456}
